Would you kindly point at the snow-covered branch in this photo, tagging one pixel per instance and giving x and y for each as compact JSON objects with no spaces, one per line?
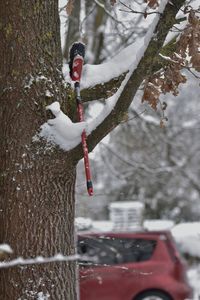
{"x":138,"y":61}
{"x":61,"y":130}
{"x":102,"y":73}
{"x":131,"y":10}
{"x":37,"y":260}
{"x":147,"y":49}
{"x":102,"y":91}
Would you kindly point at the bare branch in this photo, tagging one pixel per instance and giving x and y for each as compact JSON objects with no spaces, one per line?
{"x":131,"y":10}
{"x":109,"y":14}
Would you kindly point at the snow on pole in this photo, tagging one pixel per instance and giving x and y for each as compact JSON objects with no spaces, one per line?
{"x":77,"y":53}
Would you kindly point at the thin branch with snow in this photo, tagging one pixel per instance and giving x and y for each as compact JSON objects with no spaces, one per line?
{"x":37,"y":260}
{"x":131,"y":10}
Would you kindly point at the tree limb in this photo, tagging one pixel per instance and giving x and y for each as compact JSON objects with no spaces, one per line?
{"x":102,"y":91}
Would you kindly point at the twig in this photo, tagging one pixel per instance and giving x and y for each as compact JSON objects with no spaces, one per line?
{"x":85,"y":18}
{"x":62,"y":8}
{"x":109,"y":14}
{"x":137,"y":115}
{"x":176,"y":62}
{"x":131,"y":10}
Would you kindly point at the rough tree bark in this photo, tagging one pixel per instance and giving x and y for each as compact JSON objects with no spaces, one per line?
{"x":37,"y":182}
{"x":36,"y":185}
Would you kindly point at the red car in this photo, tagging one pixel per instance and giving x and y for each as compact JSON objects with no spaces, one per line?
{"x":131,"y":266}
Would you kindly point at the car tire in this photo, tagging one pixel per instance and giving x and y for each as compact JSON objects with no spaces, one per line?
{"x":153,"y":295}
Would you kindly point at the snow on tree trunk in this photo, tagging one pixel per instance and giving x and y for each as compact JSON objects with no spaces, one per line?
{"x":36,"y":182}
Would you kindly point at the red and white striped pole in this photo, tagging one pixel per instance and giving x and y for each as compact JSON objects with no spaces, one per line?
{"x":77,"y":53}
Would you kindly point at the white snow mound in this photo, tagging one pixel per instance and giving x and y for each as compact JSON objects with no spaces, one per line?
{"x":61,"y":130}
{"x":5,"y":248}
{"x":187,"y":235}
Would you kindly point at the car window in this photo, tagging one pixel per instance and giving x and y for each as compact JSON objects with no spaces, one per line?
{"x":111,"y":251}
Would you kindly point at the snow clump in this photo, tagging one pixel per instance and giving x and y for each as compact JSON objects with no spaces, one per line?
{"x":61,"y":130}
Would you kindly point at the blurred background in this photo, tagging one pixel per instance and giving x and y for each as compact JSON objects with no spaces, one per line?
{"x":155,"y":169}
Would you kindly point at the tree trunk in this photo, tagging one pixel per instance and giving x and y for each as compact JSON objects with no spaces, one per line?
{"x":36,"y":180}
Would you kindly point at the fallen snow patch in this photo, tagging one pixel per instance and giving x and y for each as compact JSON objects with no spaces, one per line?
{"x":194,"y":279}
{"x":83,"y":223}
{"x":187,"y":235}
{"x":157,"y":225}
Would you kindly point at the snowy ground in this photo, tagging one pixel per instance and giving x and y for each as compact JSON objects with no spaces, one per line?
{"x":194,"y":279}
{"x":186,"y":235}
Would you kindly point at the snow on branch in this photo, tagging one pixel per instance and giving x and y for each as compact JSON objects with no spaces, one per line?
{"x":131,"y":10}
{"x":61,"y":130}
{"x":5,"y":248}
{"x":144,"y":55}
{"x":37,"y":260}
{"x":102,"y":73}
{"x":168,"y":79}
{"x":119,"y":64}
{"x":136,"y":59}
{"x":137,"y":52}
